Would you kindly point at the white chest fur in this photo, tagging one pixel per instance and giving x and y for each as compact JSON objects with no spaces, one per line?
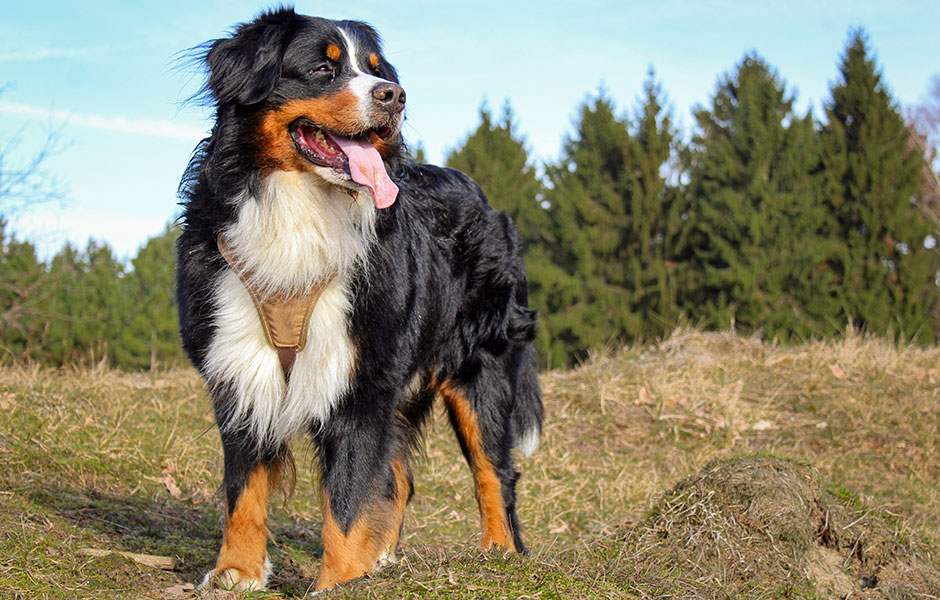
{"x":299,"y":232}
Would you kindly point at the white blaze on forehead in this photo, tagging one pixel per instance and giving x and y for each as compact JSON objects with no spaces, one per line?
{"x":362,"y":83}
{"x":365,"y":163}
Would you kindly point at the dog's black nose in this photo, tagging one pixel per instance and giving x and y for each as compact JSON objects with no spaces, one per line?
{"x":390,"y":96}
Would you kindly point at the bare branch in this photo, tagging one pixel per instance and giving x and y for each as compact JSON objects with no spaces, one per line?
{"x":26,"y":185}
{"x":925,"y":118}
{"x":924,"y":130}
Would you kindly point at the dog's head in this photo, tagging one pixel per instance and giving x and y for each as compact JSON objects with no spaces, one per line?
{"x":318,"y":94}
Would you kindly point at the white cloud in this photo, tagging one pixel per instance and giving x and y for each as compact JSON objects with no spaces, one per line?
{"x":148,"y":127}
{"x":33,"y":54}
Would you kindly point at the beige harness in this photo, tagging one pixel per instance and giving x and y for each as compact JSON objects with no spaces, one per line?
{"x":285,"y":318}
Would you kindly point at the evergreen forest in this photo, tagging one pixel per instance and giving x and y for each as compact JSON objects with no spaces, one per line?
{"x":761,"y":218}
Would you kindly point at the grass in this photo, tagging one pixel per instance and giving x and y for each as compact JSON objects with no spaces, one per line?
{"x":655,"y":479}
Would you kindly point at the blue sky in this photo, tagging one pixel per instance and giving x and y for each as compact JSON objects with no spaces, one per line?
{"x":102,"y":78}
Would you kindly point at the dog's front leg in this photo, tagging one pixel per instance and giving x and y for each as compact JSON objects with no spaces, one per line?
{"x":248,"y":482}
{"x":365,"y":484}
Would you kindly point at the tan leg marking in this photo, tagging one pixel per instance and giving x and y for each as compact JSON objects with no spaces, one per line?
{"x":370,"y":540}
{"x":241,"y":563}
{"x":487,"y":487}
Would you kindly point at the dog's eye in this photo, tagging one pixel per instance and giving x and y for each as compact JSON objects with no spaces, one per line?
{"x":322,"y":69}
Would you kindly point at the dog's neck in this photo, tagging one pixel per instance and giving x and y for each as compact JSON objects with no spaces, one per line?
{"x":300,"y":231}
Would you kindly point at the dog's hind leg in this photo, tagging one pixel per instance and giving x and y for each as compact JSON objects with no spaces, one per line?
{"x":479,"y":410}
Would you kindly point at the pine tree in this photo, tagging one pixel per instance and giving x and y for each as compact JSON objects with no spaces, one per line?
{"x":90,"y":308}
{"x":655,"y":239}
{"x":58,"y":343}
{"x":757,"y":215}
{"x":151,"y":336}
{"x":887,"y":275}
{"x":619,"y":229}
{"x":589,"y":303}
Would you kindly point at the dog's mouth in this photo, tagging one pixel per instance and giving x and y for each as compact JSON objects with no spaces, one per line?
{"x":353,"y":157}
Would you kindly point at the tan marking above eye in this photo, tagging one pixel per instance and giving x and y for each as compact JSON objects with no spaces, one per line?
{"x":374,"y":60}
{"x":333,"y":52}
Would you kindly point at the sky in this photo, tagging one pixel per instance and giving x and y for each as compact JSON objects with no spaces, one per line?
{"x":105,"y":84}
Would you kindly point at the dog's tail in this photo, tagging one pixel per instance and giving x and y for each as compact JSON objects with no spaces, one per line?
{"x":527,"y":411}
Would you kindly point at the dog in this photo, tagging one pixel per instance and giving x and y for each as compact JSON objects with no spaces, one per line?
{"x":329,"y":286}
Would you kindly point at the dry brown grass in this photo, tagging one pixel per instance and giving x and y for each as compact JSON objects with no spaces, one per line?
{"x":864,"y":411}
{"x":764,"y":526}
{"x":130,"y":462}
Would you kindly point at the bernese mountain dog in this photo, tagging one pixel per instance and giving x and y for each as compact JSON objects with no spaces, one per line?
{"x":330,"y":286}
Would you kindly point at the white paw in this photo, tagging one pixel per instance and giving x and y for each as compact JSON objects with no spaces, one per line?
{"x":234,"y":579}
{"x":387,"y":558}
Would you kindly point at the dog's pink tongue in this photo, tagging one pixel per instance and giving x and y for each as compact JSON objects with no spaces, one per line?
{"x":367,"y":168}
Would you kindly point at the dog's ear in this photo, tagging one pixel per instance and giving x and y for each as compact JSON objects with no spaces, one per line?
{"x":245,"y":67}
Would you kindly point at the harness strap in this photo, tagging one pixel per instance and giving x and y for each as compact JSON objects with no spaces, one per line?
{"x":284,"y":317}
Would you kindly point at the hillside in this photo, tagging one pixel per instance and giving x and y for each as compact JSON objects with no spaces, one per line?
{"x":705,"y":466}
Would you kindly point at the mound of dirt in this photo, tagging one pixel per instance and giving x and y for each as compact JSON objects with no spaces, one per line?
{"x":764,"y":525}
